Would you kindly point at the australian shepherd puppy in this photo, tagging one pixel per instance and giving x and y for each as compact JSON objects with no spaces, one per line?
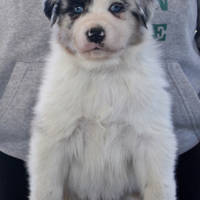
{"x":102,"y":128}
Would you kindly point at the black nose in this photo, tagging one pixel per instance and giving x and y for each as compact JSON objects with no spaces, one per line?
{"x":96,"y":35}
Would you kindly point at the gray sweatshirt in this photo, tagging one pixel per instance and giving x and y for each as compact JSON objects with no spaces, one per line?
{"x":175,"y":23}
{"x":24,"y":36}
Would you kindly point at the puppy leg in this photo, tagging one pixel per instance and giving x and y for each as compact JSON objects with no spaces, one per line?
{"x":47,"y":168}
{"x":154,"y":167}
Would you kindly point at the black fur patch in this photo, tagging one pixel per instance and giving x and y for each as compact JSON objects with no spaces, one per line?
{"x":71,"y":5}
{"x":48,"y":8}
{"x":143,"y":13}
{"x":53,"y":9}
{"x":140,"y":18}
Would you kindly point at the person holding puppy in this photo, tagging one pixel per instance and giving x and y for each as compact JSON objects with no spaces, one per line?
{"x":177,"y":28}
{"x":24,"y":37}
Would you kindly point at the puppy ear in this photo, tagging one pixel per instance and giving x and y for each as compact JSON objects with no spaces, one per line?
{"x":50,"y":10}
{"x":146,"y":10}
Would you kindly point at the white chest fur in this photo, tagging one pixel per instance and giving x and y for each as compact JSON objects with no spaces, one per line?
{"x":100,"y":131}
{"x":100,"y":121}
{"x":101,"y":163}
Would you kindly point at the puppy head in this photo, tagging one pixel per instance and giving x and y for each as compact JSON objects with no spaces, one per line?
{"x":99,"y":28}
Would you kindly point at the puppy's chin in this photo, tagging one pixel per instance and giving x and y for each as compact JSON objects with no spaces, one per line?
{"x":96,"y":54}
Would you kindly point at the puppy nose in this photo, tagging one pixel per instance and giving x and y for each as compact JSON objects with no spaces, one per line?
{"x":96,"y":35}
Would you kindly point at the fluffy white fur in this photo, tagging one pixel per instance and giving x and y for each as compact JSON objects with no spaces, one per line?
{"x":102,"y":128}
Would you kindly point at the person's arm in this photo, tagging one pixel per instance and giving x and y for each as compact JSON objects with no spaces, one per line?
{"x":198,"y":26}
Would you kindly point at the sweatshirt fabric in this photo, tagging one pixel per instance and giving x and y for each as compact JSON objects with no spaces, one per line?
{"x":24,"y":38}
{"x":175,"y":24}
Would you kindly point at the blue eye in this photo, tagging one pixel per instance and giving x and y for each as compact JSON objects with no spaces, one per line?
{"x":116,"y":8}
{"x":78,"y":9}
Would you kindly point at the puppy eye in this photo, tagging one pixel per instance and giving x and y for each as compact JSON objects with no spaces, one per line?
{"x":78,"y":9}
{"x":116,"y":8}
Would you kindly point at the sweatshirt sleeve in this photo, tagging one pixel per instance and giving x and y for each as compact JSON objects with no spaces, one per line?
{"x":198,"y":26}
